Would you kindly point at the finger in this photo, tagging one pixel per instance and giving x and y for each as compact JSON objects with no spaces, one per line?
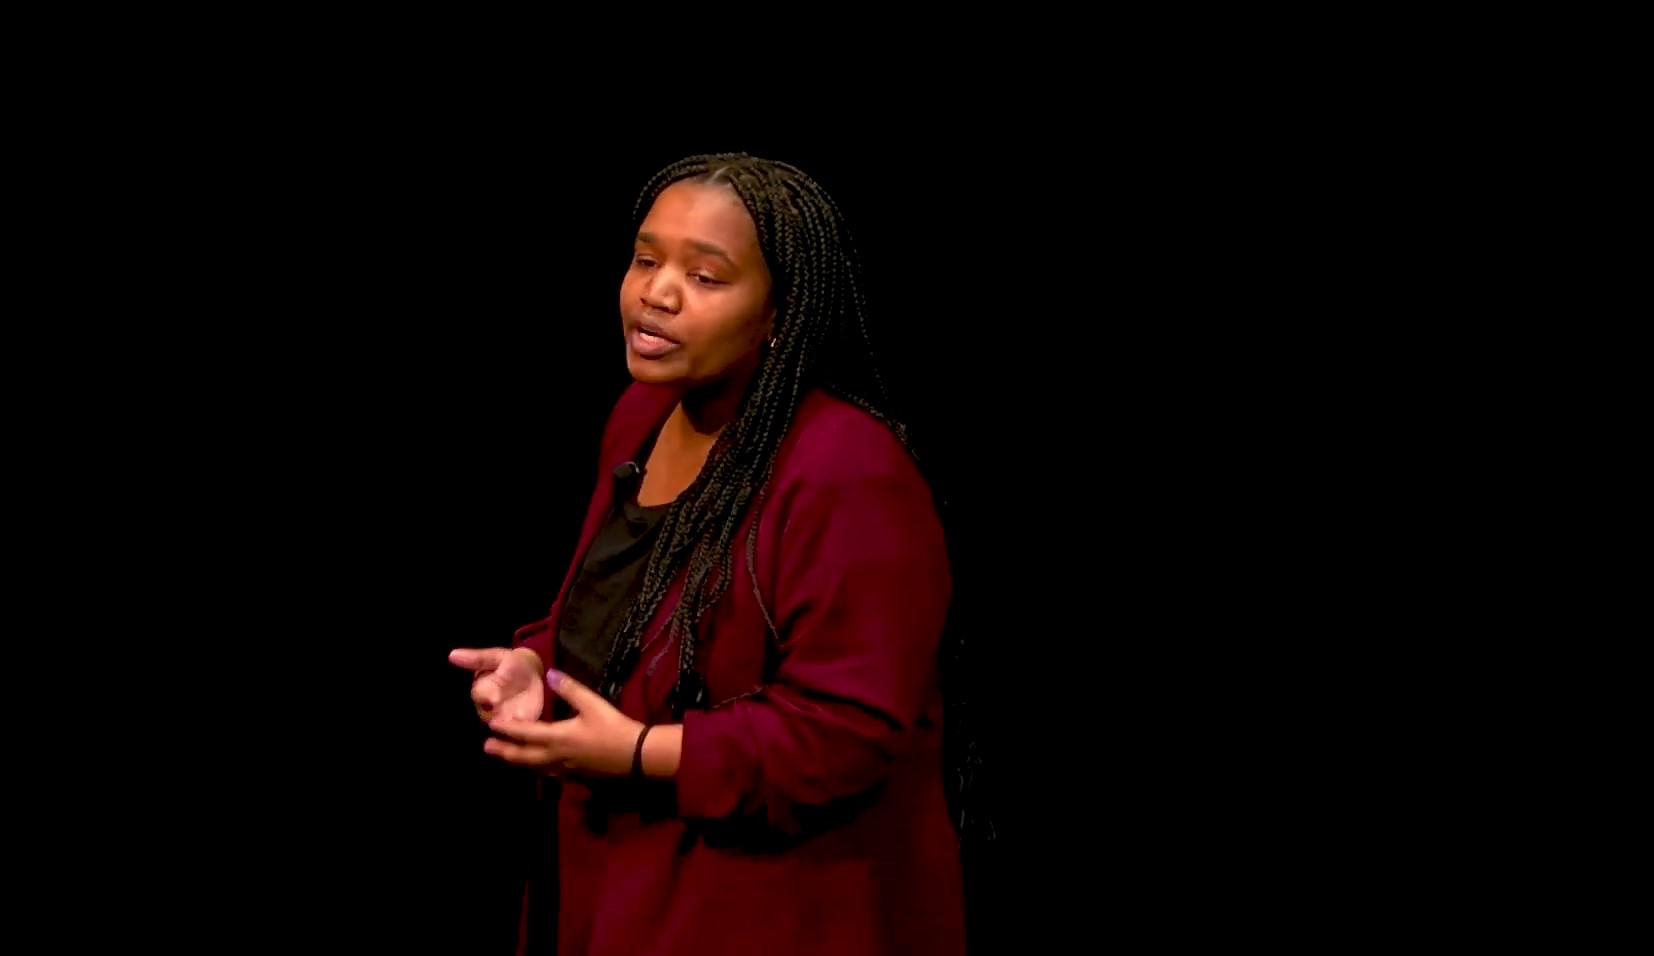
{"x":579,"y":696}
{"x":486,"y":692}
{"x":523,"y":755}
{"x":529,"y":731}
{"x":477,"y":658}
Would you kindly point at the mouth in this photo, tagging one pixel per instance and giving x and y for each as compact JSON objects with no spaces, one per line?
{"x":648,"y":340}
{"x":652,"y":330}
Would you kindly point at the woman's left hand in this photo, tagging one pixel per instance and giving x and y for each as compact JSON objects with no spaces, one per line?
{"x":598,"y":739}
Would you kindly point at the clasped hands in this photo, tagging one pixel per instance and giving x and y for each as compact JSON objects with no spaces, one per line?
{"x":509,"y":695}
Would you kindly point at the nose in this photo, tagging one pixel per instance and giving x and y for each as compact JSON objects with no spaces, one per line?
{"x":660,"y":291}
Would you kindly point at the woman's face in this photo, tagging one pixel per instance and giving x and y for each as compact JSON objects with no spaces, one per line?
{"x":695,"y":302}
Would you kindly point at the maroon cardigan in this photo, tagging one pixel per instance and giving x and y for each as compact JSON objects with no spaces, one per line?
{"x":807,"y":815}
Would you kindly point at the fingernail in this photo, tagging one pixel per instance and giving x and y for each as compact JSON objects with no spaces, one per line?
{"x":554,"y":677}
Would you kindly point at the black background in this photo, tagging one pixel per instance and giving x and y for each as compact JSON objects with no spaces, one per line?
{"x":362,"y":432}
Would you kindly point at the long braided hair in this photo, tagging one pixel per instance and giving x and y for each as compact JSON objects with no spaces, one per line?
{"x":820,"y":340}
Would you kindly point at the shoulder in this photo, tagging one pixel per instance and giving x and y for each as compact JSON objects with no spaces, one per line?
{"x":846,"y":493}
{"x":834,"y":444}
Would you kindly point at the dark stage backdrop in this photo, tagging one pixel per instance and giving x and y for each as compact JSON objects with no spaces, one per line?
{"x":341,"y":408}
{"x":359,"y":429}
{"x":389,"y":406}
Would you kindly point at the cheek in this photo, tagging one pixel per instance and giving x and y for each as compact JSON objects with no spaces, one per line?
{"x":727,"y":341}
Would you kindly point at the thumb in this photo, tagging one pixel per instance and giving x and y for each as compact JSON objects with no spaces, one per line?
{"x":579,"y":696}
{"x":477,"y":658}
{"x":486,"y":690}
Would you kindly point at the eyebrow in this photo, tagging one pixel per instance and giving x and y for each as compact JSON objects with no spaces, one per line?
{"x":697,"y":244}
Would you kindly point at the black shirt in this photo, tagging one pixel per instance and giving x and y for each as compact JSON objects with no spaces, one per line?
{"x":609,"y":579}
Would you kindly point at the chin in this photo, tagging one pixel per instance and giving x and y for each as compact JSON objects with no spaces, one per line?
{"x":651,"y":371}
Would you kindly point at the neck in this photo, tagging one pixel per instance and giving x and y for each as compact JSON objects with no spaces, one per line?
{"x":705,"y":411}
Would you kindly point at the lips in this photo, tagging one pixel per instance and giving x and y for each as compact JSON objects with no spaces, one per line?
{"x":649,"y":341}
{"x":644,"y":325}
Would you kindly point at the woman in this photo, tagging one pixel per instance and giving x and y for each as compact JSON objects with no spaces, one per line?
{"x":745,"y":707}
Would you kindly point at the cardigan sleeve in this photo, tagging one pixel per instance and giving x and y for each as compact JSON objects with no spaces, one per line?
{"x":861,"y":599}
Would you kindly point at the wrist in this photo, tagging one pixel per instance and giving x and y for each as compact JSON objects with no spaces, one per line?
{"x":662,"y":750}
{"x":640,"y":736}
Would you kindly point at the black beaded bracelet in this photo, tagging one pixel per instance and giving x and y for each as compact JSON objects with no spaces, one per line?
{"x":637,"y":753}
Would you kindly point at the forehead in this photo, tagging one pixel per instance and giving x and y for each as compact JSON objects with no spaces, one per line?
{"x":703,"y":213}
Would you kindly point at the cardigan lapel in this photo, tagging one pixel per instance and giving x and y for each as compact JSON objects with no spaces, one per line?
{"x":639,"y":414}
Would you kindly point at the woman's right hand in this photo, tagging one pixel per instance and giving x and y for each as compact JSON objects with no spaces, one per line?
{"x":506,"y":682}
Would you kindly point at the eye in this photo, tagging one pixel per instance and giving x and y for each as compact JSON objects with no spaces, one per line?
{"x":705,"y":279}
{"x":643,"y":261}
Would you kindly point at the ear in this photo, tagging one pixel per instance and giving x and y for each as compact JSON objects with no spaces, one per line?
{"x":766,"y":321}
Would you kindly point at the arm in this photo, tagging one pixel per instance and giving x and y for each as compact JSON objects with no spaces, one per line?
{"x":861,"y":600}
